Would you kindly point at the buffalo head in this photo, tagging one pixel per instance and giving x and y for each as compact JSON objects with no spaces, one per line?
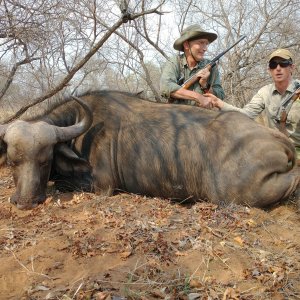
{"x":29,"y":151}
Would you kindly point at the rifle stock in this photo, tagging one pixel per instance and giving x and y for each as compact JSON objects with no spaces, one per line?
{"x":190,"y":81}
{"x":282,"y":122}
{"x":283,"y":111}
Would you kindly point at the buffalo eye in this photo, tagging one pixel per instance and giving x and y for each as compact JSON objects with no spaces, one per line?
{"x":290,"y":165}
{"x":11,"y":163}
{"x":45,"y":164}
{"x":3,"y":147}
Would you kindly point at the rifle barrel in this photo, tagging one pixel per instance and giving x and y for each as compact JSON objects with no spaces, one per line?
{"x":222,"y":53}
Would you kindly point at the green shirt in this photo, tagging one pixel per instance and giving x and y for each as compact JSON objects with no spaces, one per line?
{"x":268,"y":99}
{"x":176,"y":71}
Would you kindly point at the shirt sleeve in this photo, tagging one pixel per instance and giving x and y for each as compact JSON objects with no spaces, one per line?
{"x":169,"y":77}
{"x":251,"y":109}
{"x":216,"y":85}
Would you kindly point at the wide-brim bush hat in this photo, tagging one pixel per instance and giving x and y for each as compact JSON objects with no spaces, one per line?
{"x":191,"y":33}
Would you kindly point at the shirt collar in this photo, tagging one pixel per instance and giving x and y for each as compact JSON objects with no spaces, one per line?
{"x":290,"y":88}
{"x":183,"y":59}
{"x":201,"y":63}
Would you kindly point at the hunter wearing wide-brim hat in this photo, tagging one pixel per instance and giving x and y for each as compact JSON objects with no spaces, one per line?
{"x":193,"y":42}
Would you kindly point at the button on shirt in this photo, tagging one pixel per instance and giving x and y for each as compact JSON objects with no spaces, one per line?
{"x":269,"y":99}
{"x":177,"y":68}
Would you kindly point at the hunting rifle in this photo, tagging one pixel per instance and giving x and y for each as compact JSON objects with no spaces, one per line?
{"x":285,"y":107}
{"x":210,"y":65}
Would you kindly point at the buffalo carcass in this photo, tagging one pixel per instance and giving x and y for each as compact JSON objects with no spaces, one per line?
{"x":163,"y":150}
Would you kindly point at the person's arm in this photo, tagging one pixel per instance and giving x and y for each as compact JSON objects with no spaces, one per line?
{"x":169,"y":78}
{"x":251,"y":109}
{"x":191,"y":95}
{"x":215,"y":81}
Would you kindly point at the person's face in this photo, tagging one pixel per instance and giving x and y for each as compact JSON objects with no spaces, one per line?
{"x":280,"y":69}
{"x":197,"y":48}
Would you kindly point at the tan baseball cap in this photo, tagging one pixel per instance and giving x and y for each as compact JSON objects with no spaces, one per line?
{"x":283,"y":53}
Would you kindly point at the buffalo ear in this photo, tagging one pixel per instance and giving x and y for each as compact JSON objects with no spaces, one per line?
{"x":67,"y":162}
{"x":3,"y":151}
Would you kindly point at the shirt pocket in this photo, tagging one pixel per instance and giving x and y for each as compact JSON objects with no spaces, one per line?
{"x":273,"y":110}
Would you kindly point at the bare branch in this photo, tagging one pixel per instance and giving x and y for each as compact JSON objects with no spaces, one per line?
{"x":72,"y":71}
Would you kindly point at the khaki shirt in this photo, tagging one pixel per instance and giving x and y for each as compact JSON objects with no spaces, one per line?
{"x":269,"y":99}
{"x":176,"y":71}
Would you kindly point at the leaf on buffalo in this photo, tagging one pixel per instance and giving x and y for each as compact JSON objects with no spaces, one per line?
{"x":231,"y":294}
{"x":194,"y":296}
{"x":278,"y":274}
{"x":213,"y":294}
{"x":277,"y":296}
{"x":209,"y":279}
{"x":102,"y":296}
{"x":194,"y":283}
{"x":118,"y":298}
{"x":251,"y":223}
{"x":48,"y":200}
{"x":125,"y":254}
{"x":255,"y":273}
{"x":158,"y":294}
{"x":41,"y":288}
{"x":239,"y":240}
{"x":222,"y":243}
{"x":178,"y":253}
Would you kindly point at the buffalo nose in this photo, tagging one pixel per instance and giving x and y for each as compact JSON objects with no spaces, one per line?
{"x":26,"y":206}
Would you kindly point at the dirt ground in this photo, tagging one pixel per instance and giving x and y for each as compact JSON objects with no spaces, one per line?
{"x":83,"y":246}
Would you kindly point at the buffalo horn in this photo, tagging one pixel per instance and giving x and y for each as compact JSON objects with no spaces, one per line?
{"x":70,"y":132}
{"x":3,"y":130}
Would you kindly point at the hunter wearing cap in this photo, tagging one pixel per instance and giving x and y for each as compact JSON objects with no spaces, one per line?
{"x":269,"y":98}
{"x":193,"y":42}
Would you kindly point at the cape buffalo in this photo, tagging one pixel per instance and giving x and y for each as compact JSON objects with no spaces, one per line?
{"x":163,"y":150}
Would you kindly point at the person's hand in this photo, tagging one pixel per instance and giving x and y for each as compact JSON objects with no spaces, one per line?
{"x":203,"y":76}
{"x":214,"y":100}
{"x":204,"y":102}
